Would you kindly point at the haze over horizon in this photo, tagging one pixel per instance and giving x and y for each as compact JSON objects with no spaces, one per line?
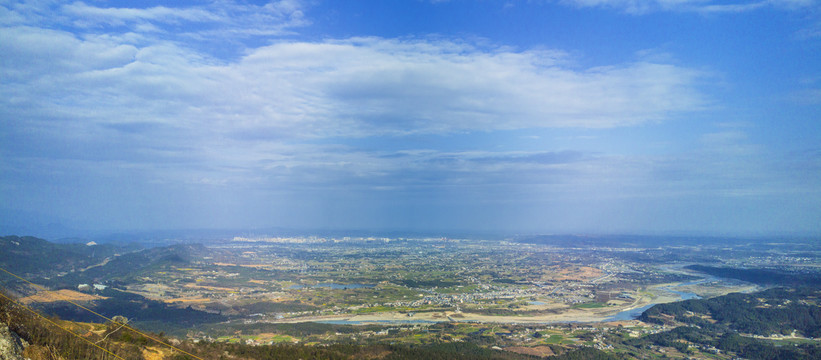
{"x":607,"y":116}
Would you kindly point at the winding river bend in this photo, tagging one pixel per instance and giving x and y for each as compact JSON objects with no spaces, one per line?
{"x":631,"y":314}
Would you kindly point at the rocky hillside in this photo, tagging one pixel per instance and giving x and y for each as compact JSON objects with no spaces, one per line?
{"x":11,"y":345}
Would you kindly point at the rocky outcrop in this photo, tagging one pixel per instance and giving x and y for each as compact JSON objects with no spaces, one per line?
{"x":11,"y":345}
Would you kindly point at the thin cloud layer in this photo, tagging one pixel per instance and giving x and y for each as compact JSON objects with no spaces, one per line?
{"x":210,"y":19}
{"x":703,"y":6}
{"x":354,"y":87}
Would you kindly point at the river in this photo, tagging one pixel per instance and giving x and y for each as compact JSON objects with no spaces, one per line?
{"x":631,"y":314}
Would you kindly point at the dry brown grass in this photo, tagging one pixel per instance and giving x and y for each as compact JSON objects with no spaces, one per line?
{"x":60,"y":295}
{"x":541,"y":351}
{"x":156,"y":353}
{"x":581,"y":273}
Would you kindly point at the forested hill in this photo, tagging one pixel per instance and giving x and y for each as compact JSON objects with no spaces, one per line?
{"x":773,"y":311}
{"x":724,"y":325}
{"x":31,"y":255}
{"x":66,"y":265}
{"x":124,"y":268}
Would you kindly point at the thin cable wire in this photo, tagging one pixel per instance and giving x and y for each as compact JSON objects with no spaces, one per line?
{"x":105,"y":317}
{"x":58,"y":325}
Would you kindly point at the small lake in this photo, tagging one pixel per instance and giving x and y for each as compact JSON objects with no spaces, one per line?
{"x":332,"y":286}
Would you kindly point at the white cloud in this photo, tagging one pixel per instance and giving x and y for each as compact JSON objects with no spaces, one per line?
{"x":120,"y":16}
{"x":216,"y":19}
{"x":704,"y":6}
{"x":139,"y":103}
{"x":367,"y":86}
{"x":345,"y":87}
{"x":219,"y":21}
{"x":351,"y":87}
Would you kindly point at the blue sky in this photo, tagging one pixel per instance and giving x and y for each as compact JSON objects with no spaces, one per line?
{"x":584,"y":116}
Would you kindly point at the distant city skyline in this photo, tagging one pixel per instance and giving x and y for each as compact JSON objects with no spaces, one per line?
{"x":573,"y":116}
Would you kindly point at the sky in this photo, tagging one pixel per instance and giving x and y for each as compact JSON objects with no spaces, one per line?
{"x":540,"y":116}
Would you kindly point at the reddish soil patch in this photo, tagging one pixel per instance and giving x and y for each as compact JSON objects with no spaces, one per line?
{"x":542,"y":351}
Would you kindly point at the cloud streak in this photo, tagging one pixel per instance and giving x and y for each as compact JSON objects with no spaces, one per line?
{"x":701,"y":6}
{"x":229,"y":18}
